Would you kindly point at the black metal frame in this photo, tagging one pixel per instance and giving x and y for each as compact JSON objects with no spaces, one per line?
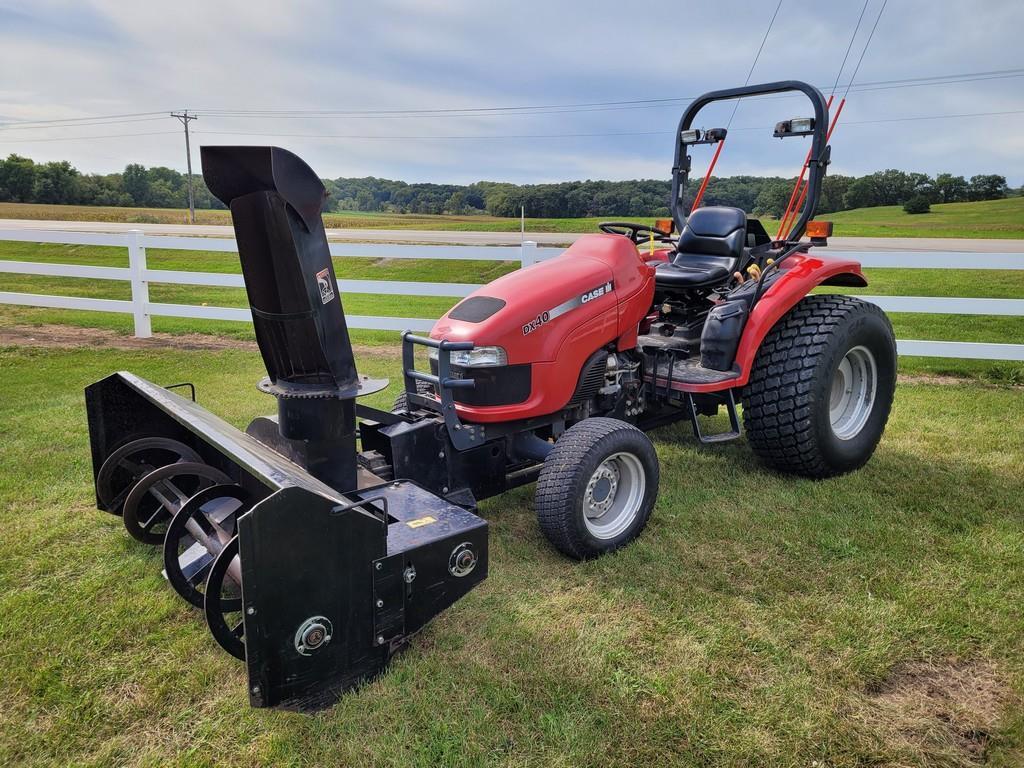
{"x":463,"y":436}
{"x":819,"y":147}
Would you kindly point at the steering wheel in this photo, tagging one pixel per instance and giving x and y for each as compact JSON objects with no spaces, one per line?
{"x":637,"y":233}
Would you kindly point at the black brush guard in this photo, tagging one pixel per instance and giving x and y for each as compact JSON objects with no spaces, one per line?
{"x":337,"y":569}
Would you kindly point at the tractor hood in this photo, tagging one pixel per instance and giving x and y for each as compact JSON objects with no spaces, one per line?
{"x":533,"y":311}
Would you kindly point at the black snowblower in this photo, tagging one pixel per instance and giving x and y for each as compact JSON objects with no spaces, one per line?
{"x":312,"y":569}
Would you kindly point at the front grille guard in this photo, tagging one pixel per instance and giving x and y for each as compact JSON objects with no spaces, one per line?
{"x":462,"y":435}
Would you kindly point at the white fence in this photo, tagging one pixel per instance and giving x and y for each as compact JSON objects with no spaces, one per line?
{"x":139,"y":275}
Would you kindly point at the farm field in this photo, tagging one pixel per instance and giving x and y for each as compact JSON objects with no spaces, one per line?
{"x":965,"y":283}
{"x":986,"y":219}
{"x":760,"y":620}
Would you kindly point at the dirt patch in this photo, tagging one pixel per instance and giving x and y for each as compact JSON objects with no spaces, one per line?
{"x":946,"y":710}
{"x":72,"y":337}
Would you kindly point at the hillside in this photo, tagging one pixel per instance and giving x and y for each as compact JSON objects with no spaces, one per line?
{"x":986,"y":218}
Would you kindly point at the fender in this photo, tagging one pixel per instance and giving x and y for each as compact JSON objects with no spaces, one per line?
{"x":802,"y":273}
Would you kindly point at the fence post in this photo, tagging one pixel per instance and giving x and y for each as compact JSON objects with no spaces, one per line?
{"x":528,"y":253}
{"x":140,"y":287}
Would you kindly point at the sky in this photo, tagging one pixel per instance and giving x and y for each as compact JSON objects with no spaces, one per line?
{"x":91,"y":59}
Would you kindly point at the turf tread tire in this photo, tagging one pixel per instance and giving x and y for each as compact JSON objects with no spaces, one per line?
{"x":783,"y":399}
{"x":565,"y":474}
{"x":401,"y":404}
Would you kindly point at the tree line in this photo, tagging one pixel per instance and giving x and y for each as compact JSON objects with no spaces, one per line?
{"x":24,"y":181}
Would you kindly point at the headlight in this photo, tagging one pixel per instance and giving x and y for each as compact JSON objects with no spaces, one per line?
{"x":480,"y":357}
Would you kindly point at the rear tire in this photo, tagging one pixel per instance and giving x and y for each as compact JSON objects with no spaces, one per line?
{"x":597,"y":488}
{"x":821,"y":387}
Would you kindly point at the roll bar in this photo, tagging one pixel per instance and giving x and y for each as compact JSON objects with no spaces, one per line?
{"x":816,"y":165}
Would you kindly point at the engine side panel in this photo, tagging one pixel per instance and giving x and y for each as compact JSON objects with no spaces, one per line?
{"x":555,"y":315}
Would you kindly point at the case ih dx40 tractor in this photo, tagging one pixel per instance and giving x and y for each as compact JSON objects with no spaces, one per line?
{"x":321,"y":538}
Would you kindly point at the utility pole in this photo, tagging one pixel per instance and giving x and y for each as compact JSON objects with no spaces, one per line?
{"x":185,"y":117}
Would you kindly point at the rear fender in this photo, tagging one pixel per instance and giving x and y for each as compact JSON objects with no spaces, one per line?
{"x":803,"y":273}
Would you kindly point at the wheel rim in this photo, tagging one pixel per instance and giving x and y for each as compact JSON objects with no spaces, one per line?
{"x":614,"y":496}
{"x":852,"y":396}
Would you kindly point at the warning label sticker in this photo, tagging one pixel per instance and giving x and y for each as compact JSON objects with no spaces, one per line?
{"x":323,"y":280}
{"x":421,"y":521}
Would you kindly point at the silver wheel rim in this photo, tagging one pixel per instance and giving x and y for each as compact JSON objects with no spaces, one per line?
{"x":852,"y":395}
{"x":614,"y":495}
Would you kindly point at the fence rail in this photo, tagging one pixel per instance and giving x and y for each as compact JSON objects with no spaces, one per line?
{"x":140,"y":276}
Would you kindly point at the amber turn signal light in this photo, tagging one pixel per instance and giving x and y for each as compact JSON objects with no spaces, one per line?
{"x":819,"y":230}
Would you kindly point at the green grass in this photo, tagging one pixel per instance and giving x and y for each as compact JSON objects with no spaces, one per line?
{"x":900,"y":282}
{"x":750,"y":625}
{"x":986,"y":219}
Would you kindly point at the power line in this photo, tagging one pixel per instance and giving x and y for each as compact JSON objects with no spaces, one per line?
{"x":753,"y":64}
{"x":81,"y":125}
{"x":585,"y":106}
{"x":856,"y":69}
{"x":73,"y":121}
{"x":950,"y":79}
{"x":483,"y":137}
{"x":29,"y":140}
{"x":849,"y":47}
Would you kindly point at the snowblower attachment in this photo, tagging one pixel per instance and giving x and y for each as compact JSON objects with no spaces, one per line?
{"x":310,"y":569}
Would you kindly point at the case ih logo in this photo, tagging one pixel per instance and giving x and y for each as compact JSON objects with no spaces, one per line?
{"x":567,"y":306}
{"x":596,"y":293}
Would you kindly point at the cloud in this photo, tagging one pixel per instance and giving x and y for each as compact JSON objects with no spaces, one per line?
{"x":102,"y":57}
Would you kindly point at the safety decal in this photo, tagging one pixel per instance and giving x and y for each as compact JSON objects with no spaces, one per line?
{"x":323,"y":281}
{"x":421,"y":521}
{"x":567,"y":306}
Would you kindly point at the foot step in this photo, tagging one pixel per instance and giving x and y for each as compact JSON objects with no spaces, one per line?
{"x":720,"y":437}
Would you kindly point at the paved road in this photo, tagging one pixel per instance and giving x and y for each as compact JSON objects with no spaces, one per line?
{"x":506,"y":238}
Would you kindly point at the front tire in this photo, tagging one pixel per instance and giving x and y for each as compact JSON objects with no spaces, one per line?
{"x":821,"y":387}
{"x":597,"y":488}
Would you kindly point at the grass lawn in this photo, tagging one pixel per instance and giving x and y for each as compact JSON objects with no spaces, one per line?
{"x":986,"y":219}
{"x":868,"y":620}
{"x":901,"y":282}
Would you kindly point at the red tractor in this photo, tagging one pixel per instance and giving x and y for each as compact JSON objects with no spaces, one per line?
{"x":322,"y":538}
{"x":554,"y":373}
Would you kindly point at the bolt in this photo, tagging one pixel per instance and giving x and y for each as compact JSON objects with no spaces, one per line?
{"x":445,"y":489}
{"x":255,"y":689}
{"x":458,"y":427}
{"x":380,"y":603}
{"x":440,"y":455}
{"x":378,"y":565}
{"x":380,"y":639}
{"x":250,"y":610}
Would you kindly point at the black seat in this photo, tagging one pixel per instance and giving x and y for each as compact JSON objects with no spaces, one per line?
{"x":709,"y":249}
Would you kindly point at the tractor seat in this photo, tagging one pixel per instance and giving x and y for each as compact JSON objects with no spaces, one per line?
{"x":709,"y":250}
